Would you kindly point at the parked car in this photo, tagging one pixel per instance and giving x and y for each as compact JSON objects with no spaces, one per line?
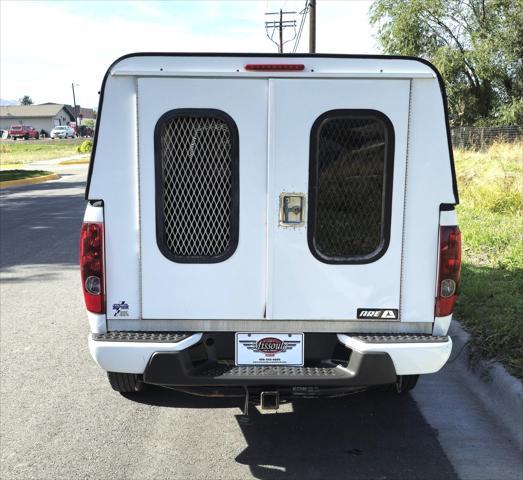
{"x":62,"y":131}
{"x":86,"y":131}
{"x":297,"y":238}
{"x":23,"y":131}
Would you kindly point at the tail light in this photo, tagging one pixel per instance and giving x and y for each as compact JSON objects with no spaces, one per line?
{"x":92,"y":266}
{"x":449,"y":269}
{"x":275,"y":67}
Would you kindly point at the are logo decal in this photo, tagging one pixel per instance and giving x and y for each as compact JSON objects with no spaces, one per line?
{"x":378,"y":313}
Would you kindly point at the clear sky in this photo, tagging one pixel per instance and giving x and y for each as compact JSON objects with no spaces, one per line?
{"x":47,"y":45}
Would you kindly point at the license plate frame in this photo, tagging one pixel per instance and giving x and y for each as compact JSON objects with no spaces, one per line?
{"x":266,"y":349}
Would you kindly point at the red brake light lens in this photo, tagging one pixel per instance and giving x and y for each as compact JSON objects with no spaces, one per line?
{"x":449,"y":273}
{"x":275,"y":67}
{"x":92,"y":266}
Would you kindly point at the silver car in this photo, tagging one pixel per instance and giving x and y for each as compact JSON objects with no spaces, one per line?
{"x":62,"y":131}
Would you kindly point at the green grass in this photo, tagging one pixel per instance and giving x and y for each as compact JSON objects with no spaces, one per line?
{"x":6,"y":175}
{"x":27,"y":151}
{"x":491,"y":220}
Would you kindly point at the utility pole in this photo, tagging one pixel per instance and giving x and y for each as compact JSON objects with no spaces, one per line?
{"x":279,"y":25}
{"x":75,"y":107}
{"x":312,"y":26}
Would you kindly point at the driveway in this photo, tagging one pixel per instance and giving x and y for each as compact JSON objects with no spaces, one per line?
{"x":59,"y":419}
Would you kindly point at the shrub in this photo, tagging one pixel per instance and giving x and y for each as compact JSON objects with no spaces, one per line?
{"x":85,"y":147}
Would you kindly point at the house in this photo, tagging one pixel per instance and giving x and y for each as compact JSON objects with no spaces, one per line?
{"x":85,"y":113}
{"x":41,"y":117}
{"x":82,"y":112}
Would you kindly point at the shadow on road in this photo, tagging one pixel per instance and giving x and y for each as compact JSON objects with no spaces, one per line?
{"x":372,"y":435}
{"x":40,"y":224}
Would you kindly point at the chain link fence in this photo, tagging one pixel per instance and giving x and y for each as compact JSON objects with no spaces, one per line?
{"x":480,"y":138}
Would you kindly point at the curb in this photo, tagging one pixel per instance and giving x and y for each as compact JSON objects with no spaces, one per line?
{"x":74,"y":162}
{"x":497,"y":390}
{"x":29,"y":181}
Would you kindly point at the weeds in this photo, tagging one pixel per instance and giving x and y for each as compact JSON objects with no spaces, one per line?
{"x":491,"y":220}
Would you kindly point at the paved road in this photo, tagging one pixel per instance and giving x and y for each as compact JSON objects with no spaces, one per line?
{"x":60,"y":420}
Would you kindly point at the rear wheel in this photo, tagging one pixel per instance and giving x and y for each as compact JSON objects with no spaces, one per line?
{"x":404,"y":384}
{"x":125,"y":382}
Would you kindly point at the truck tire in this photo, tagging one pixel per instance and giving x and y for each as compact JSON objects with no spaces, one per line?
{"x":405,"y":383}
{"x":125,"y":382}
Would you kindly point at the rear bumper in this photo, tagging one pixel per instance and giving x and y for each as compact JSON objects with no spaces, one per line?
{"x":186,"y":360}
{"x":363,"y":369}
{"x":133,"y":356}
{"x":409,"y":357}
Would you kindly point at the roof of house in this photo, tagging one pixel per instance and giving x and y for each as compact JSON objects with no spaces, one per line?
{"x":83,"y":111}
{"x":31,"y":111}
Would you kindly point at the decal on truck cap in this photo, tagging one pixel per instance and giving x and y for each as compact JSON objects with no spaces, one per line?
{"x":378,"y":313}
{"x":121,"y":309}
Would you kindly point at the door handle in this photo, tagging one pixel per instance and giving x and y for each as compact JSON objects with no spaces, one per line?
{"x":292,"y":209}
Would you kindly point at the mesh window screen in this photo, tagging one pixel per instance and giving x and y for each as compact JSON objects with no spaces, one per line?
{"x":350,"y":186}
{"x":197,"y":164}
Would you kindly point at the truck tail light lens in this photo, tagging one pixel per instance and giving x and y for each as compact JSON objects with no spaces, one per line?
{"x":92,"y":266}
{"x":449,"y":269}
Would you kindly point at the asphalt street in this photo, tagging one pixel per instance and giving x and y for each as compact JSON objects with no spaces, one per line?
{"x":59,"y":419}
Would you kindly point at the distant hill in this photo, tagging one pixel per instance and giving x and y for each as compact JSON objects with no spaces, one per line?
{"x":4,"y":102}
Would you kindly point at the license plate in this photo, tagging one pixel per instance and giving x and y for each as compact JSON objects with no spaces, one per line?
{"x":269,"y":349}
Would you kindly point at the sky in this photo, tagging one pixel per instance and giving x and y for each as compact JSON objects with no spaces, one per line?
{"x":45,"y":46}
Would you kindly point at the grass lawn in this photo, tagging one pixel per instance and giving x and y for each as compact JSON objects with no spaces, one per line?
{"x":6,"y":175}
{"x":491,"y":220}
{"x":27,"y":151}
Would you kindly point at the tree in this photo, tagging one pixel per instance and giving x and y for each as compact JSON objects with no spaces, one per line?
{"x":26,"y":100}
{"x":477,"y":45}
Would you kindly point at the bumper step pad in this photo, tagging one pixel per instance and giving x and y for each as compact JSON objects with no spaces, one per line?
{"x":150,"y":337}
{"x":224,"y":371}
{"x":398,"y":338}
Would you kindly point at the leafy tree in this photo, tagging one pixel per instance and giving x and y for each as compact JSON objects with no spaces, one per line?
{"x":477,"y":45}
{"x":26,"y":100}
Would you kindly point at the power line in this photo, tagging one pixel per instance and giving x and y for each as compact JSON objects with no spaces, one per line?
{"x":303,"y":14}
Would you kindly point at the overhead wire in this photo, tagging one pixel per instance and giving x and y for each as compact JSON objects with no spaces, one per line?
{"x":303,"y":13}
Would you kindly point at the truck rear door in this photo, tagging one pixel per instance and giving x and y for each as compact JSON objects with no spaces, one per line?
{"x":337,"y":158}
{"x":202,"y":217}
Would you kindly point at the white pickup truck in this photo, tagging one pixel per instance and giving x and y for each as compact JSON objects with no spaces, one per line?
{"x":279,"y":225}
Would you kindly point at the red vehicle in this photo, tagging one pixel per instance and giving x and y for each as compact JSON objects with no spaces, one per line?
{"x":23,"y":131}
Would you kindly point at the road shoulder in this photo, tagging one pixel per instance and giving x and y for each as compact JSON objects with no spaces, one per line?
{"x":498,"y":391}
